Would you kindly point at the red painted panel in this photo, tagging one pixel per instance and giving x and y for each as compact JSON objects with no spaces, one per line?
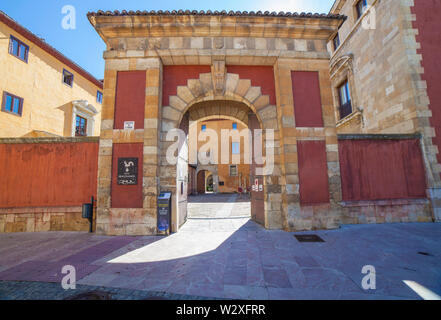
{"x":428,"y":23}
{"x":174,"y":76}
{"x":313,"y":172}
{"x":260,"y":76}
{"x":307,"y":99}
{"x":127,"y":196}
{"x":130,"y":98}
{"x":47,"y":174}
{"x":381,"y":169}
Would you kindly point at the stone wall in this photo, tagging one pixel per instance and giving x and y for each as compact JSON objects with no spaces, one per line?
{"x":382,"y":61}
{"x":45,"y":181}
{"x":42,"y":219}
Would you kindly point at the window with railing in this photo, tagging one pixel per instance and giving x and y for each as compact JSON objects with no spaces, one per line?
{"x":345,"y":100}
{"x":80,"y":127}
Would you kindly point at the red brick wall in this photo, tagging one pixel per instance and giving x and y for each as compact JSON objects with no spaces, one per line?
{"x":313,"y":172}
{"x":48,"y":174}
{"x":428,"y":23}
{"x":381,"y":169}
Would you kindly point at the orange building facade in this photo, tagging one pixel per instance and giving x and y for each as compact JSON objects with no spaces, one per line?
{"x":221,"y":176}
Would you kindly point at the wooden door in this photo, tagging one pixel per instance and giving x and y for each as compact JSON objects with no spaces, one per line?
{"x":257,"y":193}
{"x":201,"y":182}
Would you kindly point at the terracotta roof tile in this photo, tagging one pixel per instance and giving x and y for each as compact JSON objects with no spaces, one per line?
{"x":217,"y":13}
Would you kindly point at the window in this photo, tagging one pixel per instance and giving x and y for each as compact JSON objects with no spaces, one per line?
{"x":12,"y":104}
{"x":99,"y":97}
{"x":18,"y":49}
{"x":233,"y":171}
{"x":80,"y":127}
{"x":345,"y":100}
{"x":235,"y":148}
{"x":68,"y":78}
{"x":204,"y":127}
{"x":361,"y":7}
{"x":234,"y":126}
{"x":336,"y":41}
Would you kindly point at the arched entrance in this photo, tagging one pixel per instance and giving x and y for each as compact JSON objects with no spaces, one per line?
{"x":255,"y":111}
{"x":209,"y":187}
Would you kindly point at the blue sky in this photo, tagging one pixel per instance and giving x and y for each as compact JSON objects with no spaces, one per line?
{"x":85,"y":47}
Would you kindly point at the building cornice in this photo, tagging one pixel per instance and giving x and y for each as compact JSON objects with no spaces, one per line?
{"x":214,"y":24}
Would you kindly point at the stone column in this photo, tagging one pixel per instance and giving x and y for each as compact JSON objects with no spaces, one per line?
{"x":151,"y":136}
{"x":105,"y":150}
{"x":310,"y":217}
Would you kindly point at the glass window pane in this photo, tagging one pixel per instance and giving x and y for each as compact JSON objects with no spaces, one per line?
{"x":99,"y":97}
{"x":8,"y":103}
{"x":14,"y":47}
{"x":67,"y":77}
{"x":342,"y":95}
{"x":234,"y":126}
{"x":23,"y":52}
{"x":348,"y":94}
{"x":204,"y":127}
{"x":16,"y":108}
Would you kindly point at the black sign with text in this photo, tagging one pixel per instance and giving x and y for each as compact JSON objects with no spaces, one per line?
{"x":127,"y":171}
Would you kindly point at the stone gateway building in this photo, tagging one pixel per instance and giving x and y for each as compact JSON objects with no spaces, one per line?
{"x":160,"y":65}
{"x":345,"y":104}
{"x":271,"y":70}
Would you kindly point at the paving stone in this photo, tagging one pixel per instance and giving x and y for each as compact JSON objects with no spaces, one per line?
{"x":220,"y":253}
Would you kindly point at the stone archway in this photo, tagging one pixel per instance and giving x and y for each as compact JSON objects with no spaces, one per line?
{"x":209,"y":183}
{"x":231,"y":97}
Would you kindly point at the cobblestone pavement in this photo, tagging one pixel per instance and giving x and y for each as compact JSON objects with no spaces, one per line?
{"x":220,"y":253}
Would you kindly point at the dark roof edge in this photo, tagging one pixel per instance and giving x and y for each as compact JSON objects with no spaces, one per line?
{"x":48,"y":48}
{"x":217,"y":13}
